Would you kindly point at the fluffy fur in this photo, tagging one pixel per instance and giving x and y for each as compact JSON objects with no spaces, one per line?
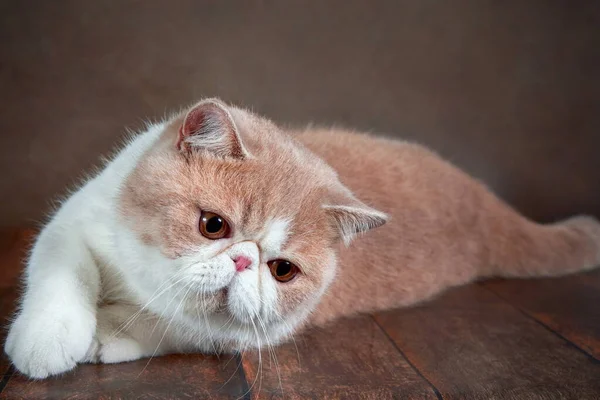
{"x":121,"y":271}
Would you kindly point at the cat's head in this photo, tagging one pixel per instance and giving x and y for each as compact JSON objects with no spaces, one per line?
{"x":237,"y":222}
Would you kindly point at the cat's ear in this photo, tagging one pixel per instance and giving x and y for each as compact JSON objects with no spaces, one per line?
{"x":354,"y":218}
{"x":209,"y":126}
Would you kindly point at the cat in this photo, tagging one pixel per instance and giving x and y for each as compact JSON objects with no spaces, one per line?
{"x":218,"y":231}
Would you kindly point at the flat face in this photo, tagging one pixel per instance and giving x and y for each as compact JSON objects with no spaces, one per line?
{"x":193,"y":216}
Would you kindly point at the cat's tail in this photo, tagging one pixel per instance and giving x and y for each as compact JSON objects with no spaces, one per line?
{"x":521,"y":248}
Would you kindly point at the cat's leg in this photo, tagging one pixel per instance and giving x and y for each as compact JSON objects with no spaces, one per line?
{"x":126,"y":333}
{"x":57,"y":319}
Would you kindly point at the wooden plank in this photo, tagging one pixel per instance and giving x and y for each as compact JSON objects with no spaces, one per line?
{"x":8,"y":301}
{"x":472,"y":345}
{"x":11,"y":251}
{"x":569,"y":305}
{"x":13,"y":244}
{"x":173,"y":377}
{"x":350,"y":359}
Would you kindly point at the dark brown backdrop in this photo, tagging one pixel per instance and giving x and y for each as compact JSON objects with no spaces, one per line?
{"x":509,"y":90}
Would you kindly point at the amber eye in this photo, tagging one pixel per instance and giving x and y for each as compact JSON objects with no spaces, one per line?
{"x":282,"y":270}
{"x":213,"y":226}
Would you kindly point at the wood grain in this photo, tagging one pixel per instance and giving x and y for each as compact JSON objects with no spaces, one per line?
{"x":170,"y":377}
{"x":8,"y":301}
{"x":13,"y":246}
{"x":351,"y":359}
{"x":568,"y":305}
{"x":472,"y":345}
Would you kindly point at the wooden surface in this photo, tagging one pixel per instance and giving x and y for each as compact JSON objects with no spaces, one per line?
{"x":533,"y":339}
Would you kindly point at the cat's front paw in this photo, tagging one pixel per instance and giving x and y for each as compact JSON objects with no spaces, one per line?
{"x":124,"y":334}
{"x":108,"y":349}
{"x":49,"y":344}
{"x":120,"y":350}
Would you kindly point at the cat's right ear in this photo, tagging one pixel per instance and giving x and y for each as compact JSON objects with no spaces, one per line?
{"x":209,"y":126}
{"x":352,"y":217}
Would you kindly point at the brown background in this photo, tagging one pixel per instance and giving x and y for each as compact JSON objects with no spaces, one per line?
{"x":509,"y":90}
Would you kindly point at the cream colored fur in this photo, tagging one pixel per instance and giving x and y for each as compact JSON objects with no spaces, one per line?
{"x":122,"y":272}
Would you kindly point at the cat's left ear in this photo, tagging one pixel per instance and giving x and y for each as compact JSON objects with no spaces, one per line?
{"x":353,"y":218}
{"x":209,"y":126}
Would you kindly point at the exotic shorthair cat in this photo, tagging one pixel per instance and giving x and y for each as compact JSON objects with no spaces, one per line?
{"x":219,"y":231}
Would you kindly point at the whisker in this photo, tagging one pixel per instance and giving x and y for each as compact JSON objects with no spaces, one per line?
{"x":270,"y":349}
{"x":125,"y":325}
{"x":260,"y":363}
{"x":234,"y":372}
{"x":228,"y":323}
{"x":246,"y":344}
{"x":208,"y":329}
{"x":167,"y":328}
{"x":160,"y":317}
{"x":228,"y":361}
{"x":291,"y":335}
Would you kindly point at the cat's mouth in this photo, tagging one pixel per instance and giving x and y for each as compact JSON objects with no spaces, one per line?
{"x":233,"y":300}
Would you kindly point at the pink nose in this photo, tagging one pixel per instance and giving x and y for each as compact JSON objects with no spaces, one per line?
{"x":241,"y":263}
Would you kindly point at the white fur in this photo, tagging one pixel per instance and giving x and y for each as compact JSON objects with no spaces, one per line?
{"x":57,"y":322}
{"x":85,"y":256}
{"x":275,"y":236}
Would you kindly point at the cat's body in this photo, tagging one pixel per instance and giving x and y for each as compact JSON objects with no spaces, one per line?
{"x":446,"y":228}
{"x":121,"y":271}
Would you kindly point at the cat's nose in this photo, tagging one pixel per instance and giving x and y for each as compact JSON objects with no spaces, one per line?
{"x":241,"y":263}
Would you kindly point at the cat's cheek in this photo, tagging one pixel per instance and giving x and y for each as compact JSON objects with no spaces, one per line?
{"x":295,"y":294}
{"x":304,"y":292}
